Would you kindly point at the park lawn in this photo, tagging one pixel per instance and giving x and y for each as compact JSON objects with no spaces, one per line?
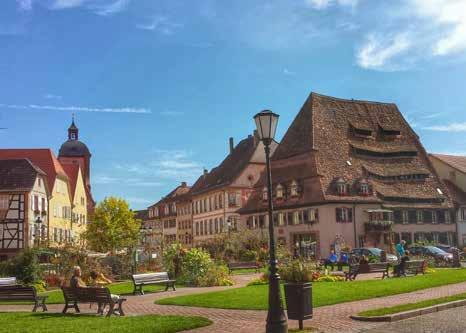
{"x":324,"y":293}
{"x":119,"y":288}
{"x":248,"y":271}
{"x":411,"y":306}
{"x":21,"y":322}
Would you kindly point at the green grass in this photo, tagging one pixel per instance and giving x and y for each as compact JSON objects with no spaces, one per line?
{"x":57,"y":323}
{"x":119,"y":288}
{"x":324,"y":293}
{"x":411,"y":306}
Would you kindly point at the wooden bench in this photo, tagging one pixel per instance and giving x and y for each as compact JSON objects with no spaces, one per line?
{"x":243,"y":265}
{"x":22,"y":293}
{"x":415,"y":267}
{"x":356,"y":269}
{"x":141,"y":280}
{"x":8,"y":281}
{"x":101,"y":296}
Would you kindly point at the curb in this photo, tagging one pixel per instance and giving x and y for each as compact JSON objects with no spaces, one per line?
{"x":411,"y":313}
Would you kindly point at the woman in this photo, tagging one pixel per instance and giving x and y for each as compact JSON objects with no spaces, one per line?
{"x":99,"y":279}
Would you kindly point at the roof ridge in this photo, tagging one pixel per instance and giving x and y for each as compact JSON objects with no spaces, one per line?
{"x":351,"y":100}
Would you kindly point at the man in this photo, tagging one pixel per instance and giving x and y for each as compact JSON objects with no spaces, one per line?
{"x":331,"y":260}
{"x":76,"y":281}
{"x":400,"y":249}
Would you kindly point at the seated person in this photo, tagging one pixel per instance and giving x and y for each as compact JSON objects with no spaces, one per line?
{"x":77,"y":282}
{"x":99,"y":279}
{"x":363,"y":260}
{"x":331,"y":260}
{"x":343,"y":261}
{"x":401,"y":267}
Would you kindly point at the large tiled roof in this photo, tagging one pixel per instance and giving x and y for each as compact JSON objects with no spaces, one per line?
{"x":18,"y":175}
{"x":229,"y":169}
{"x":43,"y":158}
{"x":321,"y":145}
{"x":457,"y":162}
{"x":179,"y":193}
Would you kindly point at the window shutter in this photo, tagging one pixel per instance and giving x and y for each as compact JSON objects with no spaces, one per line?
{"x":350,"y":215}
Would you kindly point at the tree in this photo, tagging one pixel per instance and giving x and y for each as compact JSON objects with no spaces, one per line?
{"x":113,"y":227}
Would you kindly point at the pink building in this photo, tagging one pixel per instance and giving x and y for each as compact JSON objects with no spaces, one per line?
{"x":351,"y":173}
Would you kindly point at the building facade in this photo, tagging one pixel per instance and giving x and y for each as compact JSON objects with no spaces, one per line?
{"x":452,"y":170}
{"x":23,"y":206}
{"x":351,"y":173}
{"x":218,"y":195}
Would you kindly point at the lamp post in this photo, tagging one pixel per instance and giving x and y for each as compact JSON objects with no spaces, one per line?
{"x":38,"y":230}
{"x":266,"y":123}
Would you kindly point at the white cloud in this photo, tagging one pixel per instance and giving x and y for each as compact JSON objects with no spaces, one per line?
{"x":65,"y":4}
{"x":111,"y":8}
{"x":453,"y":127}
{"x":323,"y":4}
{"x":161,"y":24}
{"x":286,"y":71}
{"x":450,"y":16}
{"x":52,"y":96}
{"x":378,"y":51}
{"x":133,"y":182}
{"x":77,"y":108}
{"x":25,"y":4}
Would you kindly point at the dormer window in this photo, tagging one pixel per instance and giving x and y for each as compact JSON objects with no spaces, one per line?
{"x":265,"y":194}
{"x":364,"y":187}
{"x":279,"y":192}
{"x":341,"y":186}
{"x":294,"y":188}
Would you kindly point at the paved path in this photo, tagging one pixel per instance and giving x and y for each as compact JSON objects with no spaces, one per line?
{"x":333,"y":318}
{"x":448,"y":321}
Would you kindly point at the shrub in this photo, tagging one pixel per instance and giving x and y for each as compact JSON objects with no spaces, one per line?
{"x":25,"y":267}
{"x":195,"y":265}
{"x":172,"y":256}
{"x":296,"y":271}
{"x":216,"y":275}
{"x":330,"y":278}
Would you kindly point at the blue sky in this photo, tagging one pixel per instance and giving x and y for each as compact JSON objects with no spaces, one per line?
{"x":159,"y":86}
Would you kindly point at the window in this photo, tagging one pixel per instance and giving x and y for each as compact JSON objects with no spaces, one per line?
{"x":279,"y":191}
{"x":216,"y":226}
{"x":310,"y":215}
{"x":43,"y":205}
{"x":296,"y":217}
{"x":232,"y":202}
{"x":364,"y":188}
{"x":220,"y":200}
{"x":281,"y":219}
{"x":36,"y":203}
{"x":221,"y":224}
{"x":294,"y":188}
{"x":4,"y":201}
{"x":166,"y":210}
{"x":398,"y":216}
{"x":427,"y":216}
{"x":344,"y":215}
{"x":341,"y":186}
{"x":265,"y":194}
{"x":412,"y":216}
{"x":210,"y":227}
{"x":197,"y":228}
{"x":39,"y":182}
{"x":463,"y":214}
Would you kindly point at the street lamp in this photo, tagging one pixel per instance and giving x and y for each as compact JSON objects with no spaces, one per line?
{"x":266,"y":123}
{"x":38,"y":230}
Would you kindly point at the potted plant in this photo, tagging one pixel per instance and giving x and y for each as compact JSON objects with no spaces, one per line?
{"x":298,"y":290}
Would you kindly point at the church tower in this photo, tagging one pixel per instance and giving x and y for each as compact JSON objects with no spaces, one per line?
{"x":74,"y":151}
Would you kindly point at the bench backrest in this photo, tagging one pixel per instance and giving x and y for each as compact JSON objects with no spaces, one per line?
{"x":150,"y":277}
{"x":378,"y":266}
{"x":415,"y":264}
{"x":17,"y":293}
{"x":8,"y":281}
{"x":242,"y":264}
{"x":92,"y":294}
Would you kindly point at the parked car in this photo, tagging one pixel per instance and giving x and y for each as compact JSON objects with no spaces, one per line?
{"x":444,"y":247}
{"x":373,"y":252}
{"x":430,"y":251}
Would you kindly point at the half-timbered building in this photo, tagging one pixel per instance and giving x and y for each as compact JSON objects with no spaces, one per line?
{"x":23,"y":206}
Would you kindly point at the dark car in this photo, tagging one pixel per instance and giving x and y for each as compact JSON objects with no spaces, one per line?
{"x":373,"y":252}
{"x":430,"y":251}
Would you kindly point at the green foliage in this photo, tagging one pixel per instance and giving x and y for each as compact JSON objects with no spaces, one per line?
{"x":24,"y":266}
{"x":59,"y":323}
{"x":194,"y":267}
{"x":113,"y":227}
{"x":330,"y":278}
{"x":256,"y":297}
{"x":296,"y":271}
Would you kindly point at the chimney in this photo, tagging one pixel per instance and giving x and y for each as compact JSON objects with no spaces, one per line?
{"x":184,"y":184}
{"x":255,"y":134}
{"x":205,"y":172}
{"x":232,"y":145}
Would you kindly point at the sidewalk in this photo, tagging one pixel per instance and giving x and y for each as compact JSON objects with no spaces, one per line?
{"x":333,"y":318}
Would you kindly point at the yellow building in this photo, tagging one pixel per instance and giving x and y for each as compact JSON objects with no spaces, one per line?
{"x":79,"y":202}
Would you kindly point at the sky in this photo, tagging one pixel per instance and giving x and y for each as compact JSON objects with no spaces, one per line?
{"x":158,"y":86}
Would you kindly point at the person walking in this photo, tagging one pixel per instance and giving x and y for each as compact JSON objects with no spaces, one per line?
{"x":400,"y":249}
